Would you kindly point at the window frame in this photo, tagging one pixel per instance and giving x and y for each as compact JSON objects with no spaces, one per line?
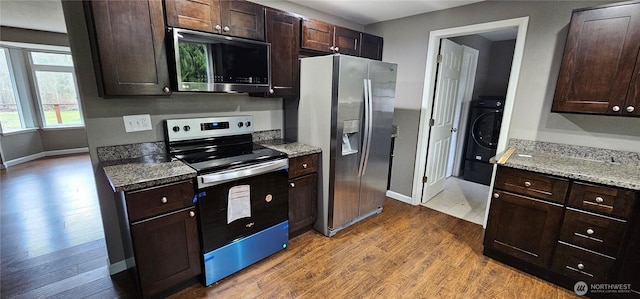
{"x":14,"y":89}
{"x":33,"y":68}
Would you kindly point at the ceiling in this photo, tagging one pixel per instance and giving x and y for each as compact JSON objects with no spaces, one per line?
{"x":48,"y":13}
{"x":372,"y":11}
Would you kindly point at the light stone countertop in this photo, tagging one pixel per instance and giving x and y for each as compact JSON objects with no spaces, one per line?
{"x":138,"y":175}
{"x":615,"y":174}
{"x":292,"y":149}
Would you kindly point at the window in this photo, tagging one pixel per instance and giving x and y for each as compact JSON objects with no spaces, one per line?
{"x":56,"y":88}
{"x":10,"y":112}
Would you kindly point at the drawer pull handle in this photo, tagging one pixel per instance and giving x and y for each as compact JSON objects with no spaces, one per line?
{"x":527,"y":184}
{"x":192,"y":213}
{"x":581,"y":266}
{"x":293,"y":185}
{"x":496,"y":195}
{"x":599,"y":199}
{"x":590,"y":231}
{"x":164,"y":199}
{"x":304,"y":165}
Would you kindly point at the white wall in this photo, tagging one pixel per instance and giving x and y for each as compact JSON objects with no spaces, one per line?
{"x":406,"y":44}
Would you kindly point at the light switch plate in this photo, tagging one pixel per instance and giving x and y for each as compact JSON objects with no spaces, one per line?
{"x":135,"y":123}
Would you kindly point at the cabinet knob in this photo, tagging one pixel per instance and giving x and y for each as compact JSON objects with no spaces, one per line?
{"x":226,"y":29}
{"x":599,"y":199}
{"x":192,"y":213}
{"x":166,"y":89}
{"x":332,"y":48}
{"x":218,"y":27}
{"x":527,"y":184}
{"x":336,"y":49}
{"x":581,"y":266}
{"x":630,"y":109}
{"x":271,"y":91}
{"x":293,"y":185}
{"x":496,"y":195}
{"x":304,"y":165}
{"x":164,"y":199}
{"x":590,"y":231}
{"x":615,"y":108}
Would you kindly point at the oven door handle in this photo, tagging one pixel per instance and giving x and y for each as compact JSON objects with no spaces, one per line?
{"x":222,"y":177}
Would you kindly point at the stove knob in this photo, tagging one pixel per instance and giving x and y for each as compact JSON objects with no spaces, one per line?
{"x":248,"y":124}
{"x":176,"y":128}
{"x":240,"y":124}
{"x":186,"y":128}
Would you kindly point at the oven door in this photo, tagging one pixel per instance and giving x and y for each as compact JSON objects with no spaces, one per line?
{"x":246,"y":201}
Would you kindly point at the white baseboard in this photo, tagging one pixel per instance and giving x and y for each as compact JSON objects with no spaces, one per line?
{"x":25,"y":159}
{"x":121,"y":266}
{"x":400,"y":197}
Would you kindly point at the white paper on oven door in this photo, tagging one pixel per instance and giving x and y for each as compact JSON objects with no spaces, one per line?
{"x":239,"y":205}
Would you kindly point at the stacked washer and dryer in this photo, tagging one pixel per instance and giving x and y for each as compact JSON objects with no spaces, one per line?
{"x":485,"y":118}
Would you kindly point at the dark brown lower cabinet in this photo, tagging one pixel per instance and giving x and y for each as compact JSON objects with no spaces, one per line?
{"x":303,"y":193}
{"x":163,"y":228}
{"x":166,"y":250}
{"x":565,"y":231}
{"x":523,"y":227}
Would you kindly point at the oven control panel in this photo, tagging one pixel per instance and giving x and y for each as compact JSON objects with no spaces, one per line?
{"x":205,"y":127}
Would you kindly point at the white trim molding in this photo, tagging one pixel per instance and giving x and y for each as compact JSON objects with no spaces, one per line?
{"x":399,"y":197}
{"x":121,"y":266}
{"x":429,"y":83}
{"x":25,"y":159}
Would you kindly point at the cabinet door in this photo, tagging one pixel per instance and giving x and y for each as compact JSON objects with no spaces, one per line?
{"x":128,"y":39}
{"x":346,"y":41}
{"x":201,"y":15}
{"x":166,"y":250}
{"x":283,"y":32}
{"x":632,"y":105}
{"x":371,"y":46}
{"x":599,"y":58}
{"x":303,"y":194}
{"x":523,"y":227}
{"x":631,"y":263}
{"x":317,"y":35}
{"x":242,"y":18}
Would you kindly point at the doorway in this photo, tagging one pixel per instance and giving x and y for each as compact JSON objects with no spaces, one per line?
{"x":435,"y":38}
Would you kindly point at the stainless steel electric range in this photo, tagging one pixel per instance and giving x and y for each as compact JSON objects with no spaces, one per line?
{"x":242,"y":191}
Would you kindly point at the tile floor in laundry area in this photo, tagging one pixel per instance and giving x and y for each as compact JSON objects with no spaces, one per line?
{"x":463,"y":199}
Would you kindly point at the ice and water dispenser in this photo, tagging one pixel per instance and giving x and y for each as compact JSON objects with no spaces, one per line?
{"x":350,"y":137}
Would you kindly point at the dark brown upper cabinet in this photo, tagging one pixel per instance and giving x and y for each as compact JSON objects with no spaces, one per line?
{"x":129,"y":52}
{"x":328,"y":38}
{"x":230,"y":17}
{"x":283,"y":32}
{"x":600,"y":71}
{"x":371,"y":46}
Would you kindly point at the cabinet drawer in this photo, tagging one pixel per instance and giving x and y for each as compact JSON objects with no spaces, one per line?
{"x":532,"y":184}
{"x":604,"y":200}
{"x":299,"y":166}
{"x":581,"y":265}
{"x":155,"y":201}
{"x":593,"y":232}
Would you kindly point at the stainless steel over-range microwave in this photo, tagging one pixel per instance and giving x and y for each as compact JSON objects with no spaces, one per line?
{"x":216,"y":63}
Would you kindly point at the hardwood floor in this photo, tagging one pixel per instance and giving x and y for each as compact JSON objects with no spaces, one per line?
{"x":52,"y":242}
{"x":52,"y":246}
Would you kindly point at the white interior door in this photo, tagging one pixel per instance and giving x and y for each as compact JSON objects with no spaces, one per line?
{"x":442,"y":117}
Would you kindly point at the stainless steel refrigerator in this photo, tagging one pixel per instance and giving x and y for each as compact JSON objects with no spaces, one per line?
{"x":346,"y":108}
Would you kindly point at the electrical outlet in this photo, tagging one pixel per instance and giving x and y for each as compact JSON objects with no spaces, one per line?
{"x":135,"y":123}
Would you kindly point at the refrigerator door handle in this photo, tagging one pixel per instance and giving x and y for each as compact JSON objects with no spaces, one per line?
{"x":369,"y":124}
{"x":365,"y":136}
